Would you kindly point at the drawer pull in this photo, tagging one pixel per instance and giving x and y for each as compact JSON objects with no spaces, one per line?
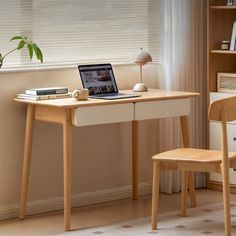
{"x":234,"y":138}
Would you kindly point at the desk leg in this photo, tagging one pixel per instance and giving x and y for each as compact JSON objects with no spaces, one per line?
{"x":27,"y":159}
{"x":135,"y":132}
{"x":186,"y":141}
{"x":67,"y":168}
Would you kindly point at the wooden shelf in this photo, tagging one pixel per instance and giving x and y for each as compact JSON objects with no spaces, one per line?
{"x":223,"y":52}
{"x":223,"y":7}
{"x":220,"y":19}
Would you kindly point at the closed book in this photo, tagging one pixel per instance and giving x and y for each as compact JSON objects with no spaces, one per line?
{"x":233,"y":37}
{"x":46,"y":91}
{"x":43,"y":97}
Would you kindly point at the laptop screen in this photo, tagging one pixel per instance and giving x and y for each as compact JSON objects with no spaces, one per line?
{"x":98,"y":79}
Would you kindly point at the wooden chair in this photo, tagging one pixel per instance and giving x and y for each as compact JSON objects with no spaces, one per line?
{"x":188,"y":159}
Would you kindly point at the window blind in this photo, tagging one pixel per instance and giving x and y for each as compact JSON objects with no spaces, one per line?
{"x":74,"y":31}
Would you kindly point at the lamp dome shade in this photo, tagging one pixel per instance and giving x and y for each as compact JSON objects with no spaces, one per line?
{"x":142,"y":57}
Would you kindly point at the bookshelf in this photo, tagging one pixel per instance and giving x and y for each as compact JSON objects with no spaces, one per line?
{"x":220,"y":18}
{"x":220,"y":23}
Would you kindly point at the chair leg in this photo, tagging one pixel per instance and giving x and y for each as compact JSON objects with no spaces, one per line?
{"x":192,"y":192}
{"x":226,"y":196}
{"x":184,"y":189}
{"x":186,"y":142}
{"x":155,"y":193}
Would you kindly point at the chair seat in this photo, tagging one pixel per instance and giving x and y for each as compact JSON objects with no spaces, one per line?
{"x":192,"y":155}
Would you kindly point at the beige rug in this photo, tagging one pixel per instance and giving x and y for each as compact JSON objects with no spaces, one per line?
{"x":206,"y":220}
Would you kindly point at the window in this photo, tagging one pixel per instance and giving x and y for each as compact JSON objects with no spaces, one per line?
{"x":74,"y":31}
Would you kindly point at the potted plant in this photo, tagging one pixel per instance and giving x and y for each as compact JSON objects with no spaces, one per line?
{"x":24,"y":42}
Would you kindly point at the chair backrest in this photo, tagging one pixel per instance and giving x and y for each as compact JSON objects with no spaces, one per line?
{"x":224,"y":107}
{"x":223,"y":110}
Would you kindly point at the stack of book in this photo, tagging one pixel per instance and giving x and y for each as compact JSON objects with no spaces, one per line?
{"x":45,"y":93}
{"x":231,"y":2}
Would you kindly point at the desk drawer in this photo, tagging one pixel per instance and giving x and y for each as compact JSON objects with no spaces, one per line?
{"x":106,"y":114}
{"x":162,"y":109}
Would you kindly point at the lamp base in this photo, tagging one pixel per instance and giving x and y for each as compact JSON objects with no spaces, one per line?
{"x":140,"y":87}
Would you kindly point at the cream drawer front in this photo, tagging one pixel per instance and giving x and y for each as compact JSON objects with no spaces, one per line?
{"x":215,"y":142}
{"x":217,"y":177}
{"x":162,"y":109}
{"x":96,"y":115}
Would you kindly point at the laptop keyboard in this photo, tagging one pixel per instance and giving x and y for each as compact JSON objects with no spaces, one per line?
{"x":109,"y":94}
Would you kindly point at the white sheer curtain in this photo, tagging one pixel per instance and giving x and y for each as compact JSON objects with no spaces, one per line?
{"x":183,"y":67}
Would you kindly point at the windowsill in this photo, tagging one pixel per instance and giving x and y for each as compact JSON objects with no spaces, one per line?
{"x":36,"y":68}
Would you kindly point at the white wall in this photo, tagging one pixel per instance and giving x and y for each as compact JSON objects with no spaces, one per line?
{"x":101,"y":155}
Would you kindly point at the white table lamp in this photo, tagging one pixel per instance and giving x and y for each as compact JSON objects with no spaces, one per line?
{"x":141,"y":58}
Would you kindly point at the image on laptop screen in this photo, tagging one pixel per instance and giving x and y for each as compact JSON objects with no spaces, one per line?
{"x":98,"y":79}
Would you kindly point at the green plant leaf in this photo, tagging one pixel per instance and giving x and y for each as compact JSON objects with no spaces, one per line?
{"x":35,"y":49}
{"x":16,"y":37}
{"x":21,"y":44}
{"x":38,"y":52}
{"x":40,"y":55}
{"x":30,"y":49}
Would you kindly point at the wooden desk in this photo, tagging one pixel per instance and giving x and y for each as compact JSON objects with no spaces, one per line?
{"x":151,"y":105}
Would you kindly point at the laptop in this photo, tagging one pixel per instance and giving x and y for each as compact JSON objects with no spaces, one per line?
{"x":100,"y":81}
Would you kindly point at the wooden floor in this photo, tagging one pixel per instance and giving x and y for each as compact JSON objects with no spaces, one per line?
{"x":102,"y":214}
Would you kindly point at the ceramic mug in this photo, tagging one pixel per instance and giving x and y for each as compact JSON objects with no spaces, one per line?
{"x":80,"y":94}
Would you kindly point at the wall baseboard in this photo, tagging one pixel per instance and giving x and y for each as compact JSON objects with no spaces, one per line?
{"x":83,"y":199}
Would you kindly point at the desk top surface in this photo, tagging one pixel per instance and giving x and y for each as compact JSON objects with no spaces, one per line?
{"x":151,"y":95}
